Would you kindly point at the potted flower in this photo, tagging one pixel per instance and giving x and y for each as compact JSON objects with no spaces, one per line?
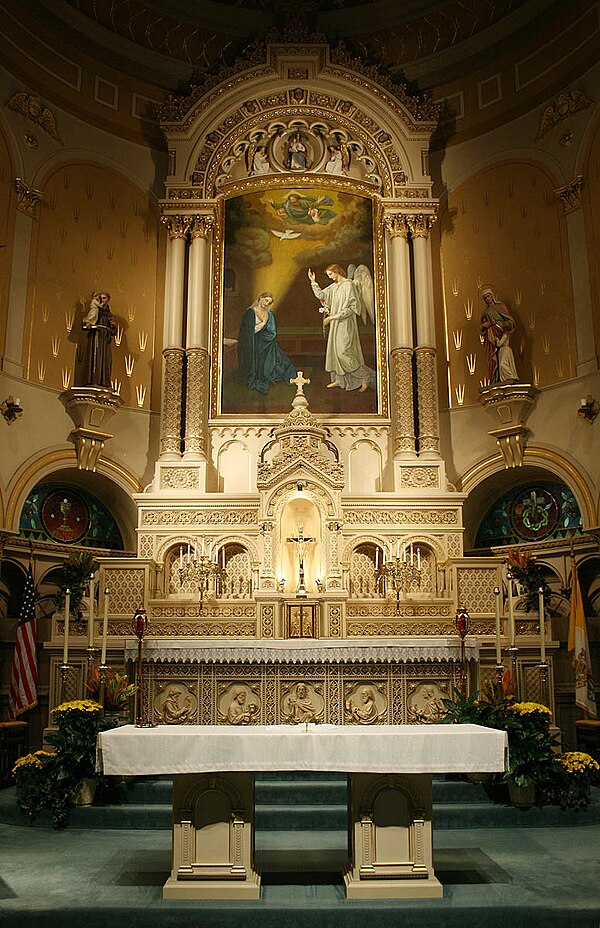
{"x":52,"y":780}
{"x":117,"y":692}
{"x":571,"y":776}
{"x":531,"y":750}
{"x":531,"y":745}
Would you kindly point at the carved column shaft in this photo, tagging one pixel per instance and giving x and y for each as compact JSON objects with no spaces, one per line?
{"x":429,"y":432}
{"x":402,"y":398}
{"x":170,"y":426}
{"x":196,"y":402}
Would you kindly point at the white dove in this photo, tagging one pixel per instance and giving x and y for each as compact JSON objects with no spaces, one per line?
{"x":289,"y":233}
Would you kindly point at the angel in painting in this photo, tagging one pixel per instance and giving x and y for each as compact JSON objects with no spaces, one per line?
{"x":343,"y":301}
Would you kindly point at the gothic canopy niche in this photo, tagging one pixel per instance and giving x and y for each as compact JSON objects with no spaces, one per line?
{"x":292,"y":128}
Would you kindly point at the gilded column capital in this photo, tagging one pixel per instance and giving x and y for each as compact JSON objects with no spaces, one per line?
{"x":570,"y":194}
{"x":27,"y":197}
{"x":177,"y":226}
{"x":201,"y":226}
{"x":396,"y":225}
{"x":420,"y":224}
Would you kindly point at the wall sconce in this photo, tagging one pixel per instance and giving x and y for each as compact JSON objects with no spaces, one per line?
{"x":588,"y":409}
{"x":319,"y":585}
{"x":281,"y":585}
{"x":11,"y":409}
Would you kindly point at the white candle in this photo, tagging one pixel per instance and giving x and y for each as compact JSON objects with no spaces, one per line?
{"x":376,"y":558}
{"x":188,"y":557}
{"x":511,"y":613}
{"x":104,"y":627}
{"x":203,"y":546}
{"x":418,"y":559}
{"x":210,"y":547}
{"x":180,"y":558}
{"x":542,"y":628}
{"x":498,"y":648}
{"x":91,"y":615}
{"x":398,"y":548}
{"x":412,"y":555}
{"x":404,"y":553}
{"x":195,"y":551}
{"x":223,"y":557}
{"x":66,"y":633}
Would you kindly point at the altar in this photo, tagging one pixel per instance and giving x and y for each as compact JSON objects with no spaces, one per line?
{"x":389,"y":771}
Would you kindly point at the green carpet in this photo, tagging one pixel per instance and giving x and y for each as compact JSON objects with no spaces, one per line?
{"x":93,"y":877}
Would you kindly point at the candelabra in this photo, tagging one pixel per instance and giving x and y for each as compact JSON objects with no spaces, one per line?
{"x":202,"y":569}
{"x":400,"y":573}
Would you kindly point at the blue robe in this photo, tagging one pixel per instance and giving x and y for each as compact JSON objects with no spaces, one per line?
{"x":261,"y":361}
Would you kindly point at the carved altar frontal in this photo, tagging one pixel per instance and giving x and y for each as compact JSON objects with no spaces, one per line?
{"x":261,"y":689}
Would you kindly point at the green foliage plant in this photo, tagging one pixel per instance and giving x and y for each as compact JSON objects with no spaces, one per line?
{"x":50,"y":780}
{"x":76,"y":573}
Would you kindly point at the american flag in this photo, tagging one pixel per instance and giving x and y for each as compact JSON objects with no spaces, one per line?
{"x":22,"y":694}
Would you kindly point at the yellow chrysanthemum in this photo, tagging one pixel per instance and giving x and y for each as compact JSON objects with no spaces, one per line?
{"x":29,"y":760}
{"x":526,"y":708}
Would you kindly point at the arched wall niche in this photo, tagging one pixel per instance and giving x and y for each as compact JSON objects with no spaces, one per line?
{"x":549,"y":463}
{"x":590,"y":197}
{"x":8,"y":161}
{"x":92,"y":209}
{"x":112,"y":486}
{"x":489,"y":224}
{"x":493,"y":487}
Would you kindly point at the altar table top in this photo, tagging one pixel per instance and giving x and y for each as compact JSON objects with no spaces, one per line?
{"x":172,"y":749}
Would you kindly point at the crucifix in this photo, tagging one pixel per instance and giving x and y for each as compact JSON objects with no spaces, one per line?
{"x":301,"y":541}
{"x":300,"y":381}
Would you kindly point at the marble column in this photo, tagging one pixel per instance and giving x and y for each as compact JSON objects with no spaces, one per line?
{"x":197,"y":339}
{"x":401,"y":334}
{"x":425,"y":352}
{"x":173,"y":353}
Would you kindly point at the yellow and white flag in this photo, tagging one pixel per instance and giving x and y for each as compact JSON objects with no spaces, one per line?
{"x":579,"y":649}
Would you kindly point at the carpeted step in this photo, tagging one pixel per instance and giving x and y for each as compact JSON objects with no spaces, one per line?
{"x":300,"y":817}
{"x":296,"y":792}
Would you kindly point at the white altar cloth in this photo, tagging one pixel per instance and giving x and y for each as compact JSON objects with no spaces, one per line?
{"x":303,"y":650}
{"x":174,"y":749}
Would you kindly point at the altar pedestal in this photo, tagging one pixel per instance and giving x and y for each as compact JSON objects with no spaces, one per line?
{"x":390,"y":807}
{"x":213,"y":838}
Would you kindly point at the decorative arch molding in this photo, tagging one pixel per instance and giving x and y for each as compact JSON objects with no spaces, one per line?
{"x":300,"y":86}
{"x":555,"y":464}
{"x":49,"y":462}
{"x":538,"y":158}
{"x":278,"y":498}
{"x":64,"y":158}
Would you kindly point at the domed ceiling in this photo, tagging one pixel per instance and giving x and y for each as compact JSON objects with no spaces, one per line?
{"x":203,"y":34}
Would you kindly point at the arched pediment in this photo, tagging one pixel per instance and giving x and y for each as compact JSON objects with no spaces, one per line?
{"x":346,"y":122}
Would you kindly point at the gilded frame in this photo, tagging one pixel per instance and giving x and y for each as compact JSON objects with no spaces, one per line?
{"x":311,"y":184}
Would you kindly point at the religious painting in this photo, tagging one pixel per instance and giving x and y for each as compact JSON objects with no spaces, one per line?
{"x":299,"y":294}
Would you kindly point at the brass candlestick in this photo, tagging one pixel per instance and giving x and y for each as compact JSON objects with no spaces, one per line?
{"x":543,"y":668}
{"x":64,"y":672}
